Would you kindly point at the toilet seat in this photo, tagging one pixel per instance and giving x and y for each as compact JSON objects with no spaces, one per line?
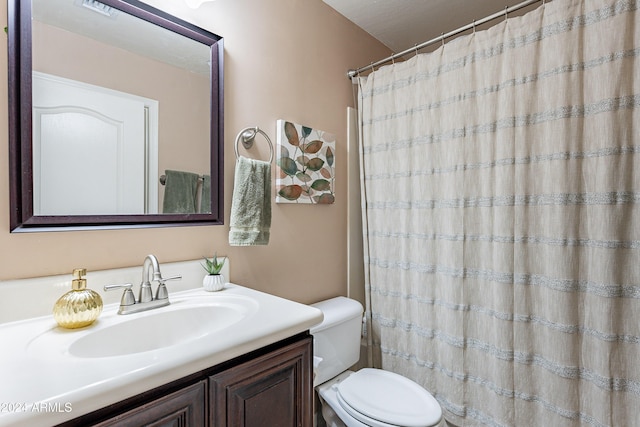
{"x":381,"y":398}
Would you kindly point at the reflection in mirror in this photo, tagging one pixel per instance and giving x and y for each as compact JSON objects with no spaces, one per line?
{"x":123,"y":123}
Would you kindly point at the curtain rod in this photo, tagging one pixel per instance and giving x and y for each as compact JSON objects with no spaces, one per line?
{"x":442,"y":37}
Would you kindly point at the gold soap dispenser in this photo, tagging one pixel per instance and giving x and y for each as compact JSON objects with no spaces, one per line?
{"x":80,"y":306}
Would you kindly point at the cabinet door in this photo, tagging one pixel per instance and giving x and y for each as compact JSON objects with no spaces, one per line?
{"x":183,"y":408}
{"x":274,"y":390}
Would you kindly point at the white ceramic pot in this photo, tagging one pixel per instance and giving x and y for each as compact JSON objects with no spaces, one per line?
{"x":213,"y":282}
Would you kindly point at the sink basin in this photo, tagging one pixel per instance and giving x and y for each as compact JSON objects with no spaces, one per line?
{"x":119,"y":335}
{"x":162,"y":329}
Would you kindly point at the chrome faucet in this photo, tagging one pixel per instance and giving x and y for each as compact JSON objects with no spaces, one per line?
{"x":146,"y":299}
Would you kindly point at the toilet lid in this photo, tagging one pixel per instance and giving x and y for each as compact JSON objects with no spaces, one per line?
{"x":381,"y":398}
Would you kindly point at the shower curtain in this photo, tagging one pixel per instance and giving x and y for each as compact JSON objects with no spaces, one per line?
{"x":501,"y":210}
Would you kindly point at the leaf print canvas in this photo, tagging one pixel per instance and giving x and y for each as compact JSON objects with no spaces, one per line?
{"x":305,"y":165}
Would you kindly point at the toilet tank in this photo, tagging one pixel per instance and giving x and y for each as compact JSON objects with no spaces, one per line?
{"x":337,"y":339}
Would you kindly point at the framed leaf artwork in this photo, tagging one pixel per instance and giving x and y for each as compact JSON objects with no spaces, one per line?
{"x":305,"y":164}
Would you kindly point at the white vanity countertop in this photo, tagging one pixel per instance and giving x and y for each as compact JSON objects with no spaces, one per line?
{"x":44,"y":387}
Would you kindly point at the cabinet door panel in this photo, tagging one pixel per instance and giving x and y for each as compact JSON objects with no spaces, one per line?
{"x":273,"y":390}
{"x":183,"y":408}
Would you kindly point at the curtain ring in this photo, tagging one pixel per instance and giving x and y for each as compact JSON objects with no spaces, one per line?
{"x":506,"y":12}
{"x":393,"y":59}
{"x":442,"y":38}
{"x":474,"y":26}
{"x":415,"y":47}
{"x":372,"y":69}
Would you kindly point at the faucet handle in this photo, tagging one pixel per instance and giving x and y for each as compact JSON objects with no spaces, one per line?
{"x":161,"y":292}
{"x":127,"y":297}
{"x":177,"y":277}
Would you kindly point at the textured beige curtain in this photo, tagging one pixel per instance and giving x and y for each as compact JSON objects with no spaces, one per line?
{"x":501,"y":181}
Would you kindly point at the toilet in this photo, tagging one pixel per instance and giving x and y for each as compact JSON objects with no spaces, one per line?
{"x":369,"y":397}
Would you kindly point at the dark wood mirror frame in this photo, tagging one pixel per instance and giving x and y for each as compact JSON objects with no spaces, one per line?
{"x":22,"y":216}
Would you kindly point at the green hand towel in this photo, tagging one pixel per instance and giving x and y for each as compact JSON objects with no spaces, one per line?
{"x":180,"y":192}
{"x":205,"y":200}
{"x":251,"y":203}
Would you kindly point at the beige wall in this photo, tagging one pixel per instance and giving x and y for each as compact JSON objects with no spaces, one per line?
{"x":284,"y":59}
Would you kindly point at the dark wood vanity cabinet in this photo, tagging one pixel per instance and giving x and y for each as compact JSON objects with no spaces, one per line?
{"x":271,"y":387}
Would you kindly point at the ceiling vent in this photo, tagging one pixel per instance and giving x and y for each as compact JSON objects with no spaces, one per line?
{"x":100,"y":8}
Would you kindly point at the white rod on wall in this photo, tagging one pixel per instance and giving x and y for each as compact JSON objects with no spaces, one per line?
{"x":443,"y":37}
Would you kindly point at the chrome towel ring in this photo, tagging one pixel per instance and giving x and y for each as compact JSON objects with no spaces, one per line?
{"x":247,"y":136}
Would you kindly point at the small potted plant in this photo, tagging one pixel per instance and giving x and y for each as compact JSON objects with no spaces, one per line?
{"x":213,"y":281}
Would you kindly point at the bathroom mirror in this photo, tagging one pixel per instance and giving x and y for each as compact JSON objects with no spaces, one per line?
{"x":115,"y":117}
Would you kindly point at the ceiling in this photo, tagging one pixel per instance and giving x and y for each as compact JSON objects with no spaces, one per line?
{"x":401,"y":24}
{"x":112,"y":27}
